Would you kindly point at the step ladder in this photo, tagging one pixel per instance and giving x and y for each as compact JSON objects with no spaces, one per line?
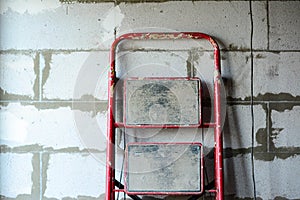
{"x":162,"y":168}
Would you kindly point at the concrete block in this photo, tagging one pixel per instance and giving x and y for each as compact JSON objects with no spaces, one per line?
{"x":237,"y":128}
{"x":235,"y":71}
{"x":73,"y":175}
{"x":151,"y":64}
{"x":285,"y":126}
{"x":56,"y":128}
{"x":238,"y":177}
{"x":77,"y":75}
{"x":224,"y":20}
{"x":284,"y":25}
{"x":277,"y":73}
{"x":277,"y":178}
{"x":236,"y":74}
{"x":91,"y":129}
{"x":18,"y":74}
{"x":16,"y":170}
{"x":52,"y":25}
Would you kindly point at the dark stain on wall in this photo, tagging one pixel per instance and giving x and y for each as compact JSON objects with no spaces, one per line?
{"x":36,"y":148}
{"x":5,"y":96}
{"x":35,"y":176}
{"x":87,"y":103}
{"x":36,"y":85}
{"x":45,"y":73}
{"x":267,"y":97}
{"x":266,"y":137}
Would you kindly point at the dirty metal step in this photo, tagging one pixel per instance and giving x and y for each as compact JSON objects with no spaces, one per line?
{"x":162,"y":101}
{"x":161,"y":168}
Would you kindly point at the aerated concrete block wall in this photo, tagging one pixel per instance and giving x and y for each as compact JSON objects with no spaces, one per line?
{"x":54,"y":65}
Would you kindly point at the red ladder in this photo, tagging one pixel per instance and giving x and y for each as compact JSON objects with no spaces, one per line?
{"x":111,"y":182}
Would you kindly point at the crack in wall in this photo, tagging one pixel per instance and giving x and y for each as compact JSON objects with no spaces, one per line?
{"x":268,"y":25}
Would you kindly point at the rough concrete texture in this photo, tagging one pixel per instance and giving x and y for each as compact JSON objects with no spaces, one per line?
{"x":53,"y":88}
{"x":282,"y":134}
{"x":51,"y":128}
{"x":236,"y":74}
{"x":17,"y":74}
{"x":75,"y":75}
{"x":233,"y":137}
{"x":204,"y":16}
{"x":43,"y":25}
{"x":284,"y":34}
{"x":16,"y":170}
{"x":280,"y":172}
{"x":131,"y":64}
{"x":274,"y":68}
{"x":239,"y":176}
{"x":72,"y":175}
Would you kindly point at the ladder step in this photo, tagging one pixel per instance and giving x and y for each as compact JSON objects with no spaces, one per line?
{"x":163,"y":102}
{"x":164,"y":168}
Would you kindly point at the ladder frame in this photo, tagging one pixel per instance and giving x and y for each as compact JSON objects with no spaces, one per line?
{"x":217,"y":124}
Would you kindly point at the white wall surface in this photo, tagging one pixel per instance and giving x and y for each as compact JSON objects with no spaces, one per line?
{"x":54,"y":62}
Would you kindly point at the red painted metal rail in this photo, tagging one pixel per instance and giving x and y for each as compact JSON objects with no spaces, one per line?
{"x":218,"y":155}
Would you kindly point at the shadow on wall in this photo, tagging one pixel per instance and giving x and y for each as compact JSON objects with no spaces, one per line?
{"x":235,"y":168}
